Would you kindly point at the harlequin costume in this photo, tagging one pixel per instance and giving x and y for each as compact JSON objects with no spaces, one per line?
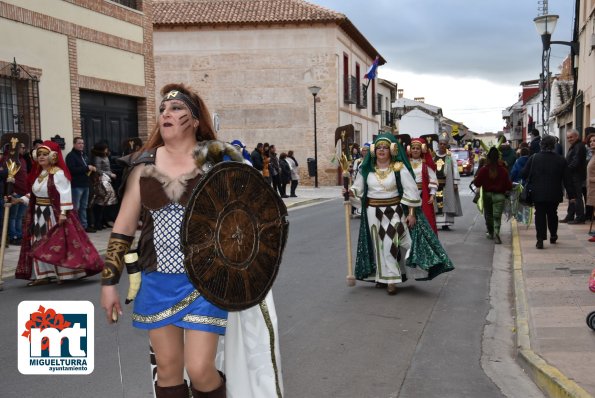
{"x":448,"y":202}
{"x":425,"y":178}
{"x":386,"y":246}
{"x":50,"y":197}
{"x":250,"y":356}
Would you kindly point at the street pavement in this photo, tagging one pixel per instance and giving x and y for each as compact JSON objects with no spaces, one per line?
{"x":552,"y":299}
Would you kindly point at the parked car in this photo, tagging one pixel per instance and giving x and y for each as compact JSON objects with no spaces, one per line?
{"x":465,"y":160}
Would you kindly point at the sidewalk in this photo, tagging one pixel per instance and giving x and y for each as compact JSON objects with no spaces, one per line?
{"x":306,"y":195}
{"x":554,"y":344}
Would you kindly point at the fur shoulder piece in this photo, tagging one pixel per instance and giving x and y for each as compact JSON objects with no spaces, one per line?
{"x":209,"y":153}
{"x":397,"y":166}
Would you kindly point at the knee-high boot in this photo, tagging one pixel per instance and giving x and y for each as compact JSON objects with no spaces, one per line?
{"x":179,"y":391}
{"x":219,"y":392}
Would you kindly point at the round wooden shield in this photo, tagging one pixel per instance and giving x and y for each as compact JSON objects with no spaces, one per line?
{"x":233,"y":235}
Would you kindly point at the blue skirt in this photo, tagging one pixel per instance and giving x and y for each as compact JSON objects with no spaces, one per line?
{"x":170,"y":299}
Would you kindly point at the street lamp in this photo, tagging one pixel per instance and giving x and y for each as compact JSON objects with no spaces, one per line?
{"x":314,"y":90}
{"x":545,"y":25}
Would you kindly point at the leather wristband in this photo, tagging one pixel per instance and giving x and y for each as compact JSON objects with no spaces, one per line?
{"x":117,"y":247}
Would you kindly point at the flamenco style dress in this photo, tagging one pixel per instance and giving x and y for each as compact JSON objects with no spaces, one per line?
{"x":77,"y":257}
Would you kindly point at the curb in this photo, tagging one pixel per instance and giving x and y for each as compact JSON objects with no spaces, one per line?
{"x":547,"y":377}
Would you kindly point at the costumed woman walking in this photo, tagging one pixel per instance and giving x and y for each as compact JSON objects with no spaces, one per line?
{"x":183,"y":327}
{"x":425,"y":177}
{"x":493,"y":178}
{"x":390,"y":198}
{"x":448,"y":202}
{"x":52,"y":222}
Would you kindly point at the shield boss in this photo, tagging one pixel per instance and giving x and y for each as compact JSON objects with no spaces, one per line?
{"x":233,"y":235}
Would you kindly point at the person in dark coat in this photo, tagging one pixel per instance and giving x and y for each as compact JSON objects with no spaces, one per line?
{"x":547,"y":174}
{"x":576,"y":158}
{"x":285,"y":175}
{"x":256,"y":157}
{"x":535,"y":145}
{"x":80,"y":170}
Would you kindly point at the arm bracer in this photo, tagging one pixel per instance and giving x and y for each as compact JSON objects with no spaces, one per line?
{"x":117,"y":247}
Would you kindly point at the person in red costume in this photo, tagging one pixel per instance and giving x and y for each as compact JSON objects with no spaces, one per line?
{"x":425,"y":177}
{"x":52,"y":223}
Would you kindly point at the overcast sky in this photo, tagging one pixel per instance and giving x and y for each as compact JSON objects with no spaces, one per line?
{"x":465,"y":56}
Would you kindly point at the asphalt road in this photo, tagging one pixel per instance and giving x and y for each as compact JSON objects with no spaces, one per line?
{"x":335,"y":341}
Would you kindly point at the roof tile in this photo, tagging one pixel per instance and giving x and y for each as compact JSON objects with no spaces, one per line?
{"x":215,"y":12}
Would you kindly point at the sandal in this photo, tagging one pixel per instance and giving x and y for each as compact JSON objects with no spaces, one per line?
{"x":38,"y":282}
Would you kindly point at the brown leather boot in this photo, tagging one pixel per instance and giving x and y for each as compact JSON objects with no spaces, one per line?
{"x":219,"y":392}
{"x":179,"y":391}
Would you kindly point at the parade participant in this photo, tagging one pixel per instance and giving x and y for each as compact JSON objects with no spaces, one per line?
{"x":183,"y":327}
{"x":50,"y":203}
{"x":425,"y":177}
{"x":448,"y":203}
{"x":390,"y":197}
{"x":493,"y":178}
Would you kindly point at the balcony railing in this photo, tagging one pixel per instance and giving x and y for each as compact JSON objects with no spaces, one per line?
{"x":362,"y":98}
{"x":349,"y":89}
{"x":377,"y":110}
{"x":387,"y":118}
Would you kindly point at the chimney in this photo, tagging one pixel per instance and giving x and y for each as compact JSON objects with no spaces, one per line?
{"x":400,"y":93}
{"x":420,"y":99}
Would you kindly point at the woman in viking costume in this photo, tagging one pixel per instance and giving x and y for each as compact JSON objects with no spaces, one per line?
{"x":51,"y":223}
{"x":184,"y":328}
{"x":394,"y":233}
{"x":425,"y":177}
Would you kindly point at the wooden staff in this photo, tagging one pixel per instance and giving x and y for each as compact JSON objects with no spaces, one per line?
{"x":13,"y":169}
{"x":345,"y":168}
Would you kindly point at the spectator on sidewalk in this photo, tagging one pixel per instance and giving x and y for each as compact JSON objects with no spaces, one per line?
{"x":266,"y":164}
{"x":576,"y":159}
{"x":508,"y":155}
{"x":20,"y":189}
{"x":535,"y":145}
{"x":104,"y":194}
{"x":591,"y":177}
{"x":515,"y":174}
{"x":275,"y":169}
{"x":256,"y":157}
{"x":80,"y":170}
{"x":284,"y":175}
{"x":547,"y":173}
{"x":295,"y":175}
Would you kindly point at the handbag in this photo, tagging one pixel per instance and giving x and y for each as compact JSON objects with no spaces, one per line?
{"x":526,"y":195}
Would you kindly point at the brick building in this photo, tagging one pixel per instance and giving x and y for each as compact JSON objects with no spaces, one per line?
{"x":77,"y":67}
{"x":253,"y":61}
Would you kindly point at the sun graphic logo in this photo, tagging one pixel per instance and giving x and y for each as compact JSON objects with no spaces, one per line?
{"x":56,"y":337}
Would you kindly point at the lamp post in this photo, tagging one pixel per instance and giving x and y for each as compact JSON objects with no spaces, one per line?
{"x":545,"y":25}
{"x":314,"y":90}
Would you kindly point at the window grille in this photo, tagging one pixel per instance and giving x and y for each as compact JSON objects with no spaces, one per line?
{"x":19,"y":101}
